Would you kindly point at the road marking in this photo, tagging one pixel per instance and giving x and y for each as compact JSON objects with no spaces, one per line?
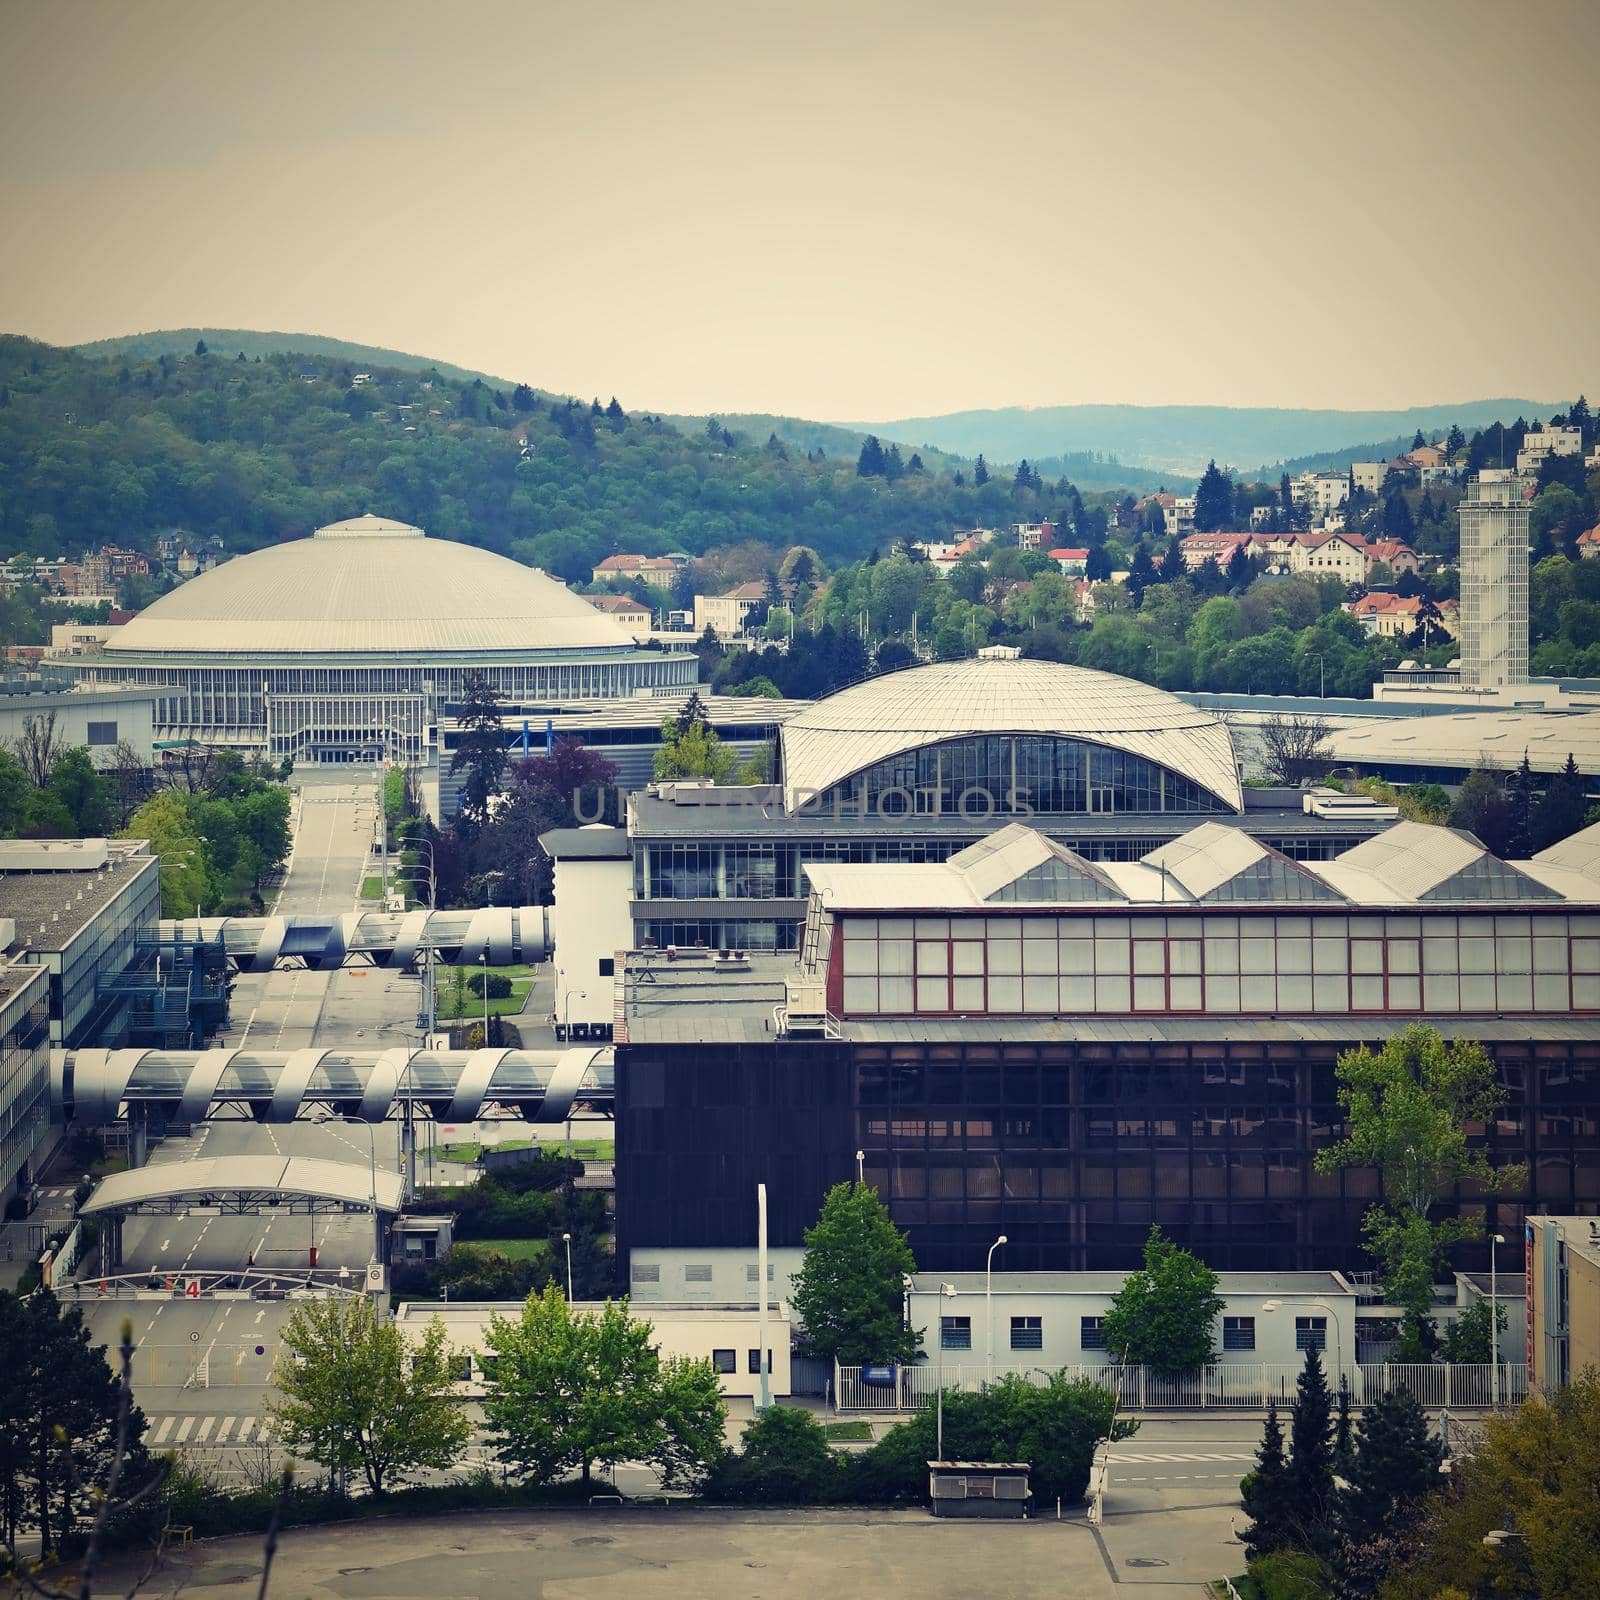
{"x":245,"y":1427}
{"x":183,"y":1431}
{"x":225,"y":1429}
{"x":204,"y":1430}
{"x":1119,"y":1460}
{"x":163,"y":1430}
{"x":166,"y":1244}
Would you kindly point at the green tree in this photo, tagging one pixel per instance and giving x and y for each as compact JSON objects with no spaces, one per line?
{"x":164,"y":821}
{"x":1468,"y":1340}
{"x":1561,"y":808}
{"x":980,"y":471}
{"x":784,"y":1458}
{"x":1264,"y":1493}
{"x":1213,"y":500}
{"x":566,"y":1389}
{"x":356,"y":1393}
{"x":1308,"y":1478}
{"x":59,"y":1402}
{"x":86,"y":795}
{"x":1406,"y":1111}
{"x":1535,"y":1472}
{"x":1165,"y":1315}
{"x":1396,"y":1463}
{"x":481,"y":752}
{"x":849,"y":1290}
{"x":1481,"y":808}
{"x":693,"y":752}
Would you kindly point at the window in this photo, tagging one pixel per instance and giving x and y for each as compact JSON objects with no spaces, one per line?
{"x":643,"y":1273}
{"x":755,"y":1363}
{"x":1238,"y":1333}
{"x":955,"y":1333}
{"x":752,"y":1272}
{"x":1091,"y":1333}
{"x":1027,"y":1333}
{"x":697,"y":1274}
{"x":1311,"y":1333}
{"x":723,"y":1361}
{"x":102,"y":733}
{"x":608,"y":966}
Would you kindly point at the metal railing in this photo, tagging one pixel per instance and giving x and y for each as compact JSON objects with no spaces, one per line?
{"x":1243,"y":1385}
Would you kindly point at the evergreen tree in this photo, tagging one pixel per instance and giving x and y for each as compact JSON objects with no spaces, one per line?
{"x":200,"y":347}
{"x":915,"y":463}
{"x":1240,"y":572}
{"x":1141,"y":574}
{"x":1561,"y":810}
{"x":1481,"y":808}
{"x":893,"y":467}
{"x":980,"y":471}
{"x":522,"y":399}
{"x":1397,"y":522}
{"x":1396,"y":1465}
{"x":1418,"y":441}
{"x":1343,"y":1438}
{"x":1265,"y":1493}
{"x":1213,"y":500}
{"x":1455,"y":440}
{"x":1523,"y":799}
{"x":869,"y":464}
{"x":1309,"y":1477}
{"x":615,"y":412}
{"x":481,"y":752}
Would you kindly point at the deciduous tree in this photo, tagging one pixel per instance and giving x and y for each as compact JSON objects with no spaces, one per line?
{"x":1165,"y":1315}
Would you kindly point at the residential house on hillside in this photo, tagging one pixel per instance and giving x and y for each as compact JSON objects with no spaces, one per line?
{"x":628,"y":611}
{"x":1589,"y":543}
{"x":726,"y":614}
{"x":661,"y":570}
{"x":1180,"y":516}
{"x":1392,"y":616}
{"x":1343,"y":554}
{"x":1034,"y":535}
{"x":1393,"y":554}
{"x":1539,"y":443}
{"x":1368,"y":476}
{"x":1072,"y":562}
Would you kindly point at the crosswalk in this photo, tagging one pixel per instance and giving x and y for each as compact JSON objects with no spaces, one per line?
{"x":172,"y":1430}
{"x":1120,"y":1459}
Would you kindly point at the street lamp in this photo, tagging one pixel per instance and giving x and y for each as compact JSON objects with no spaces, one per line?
{"x":861,"y":1170}
{"x":566,"y":1011}
{"x":566,"y":1239}
{"x":1318,"y":1305}
{"x":372,"y":1169}
{"x":988,"y":1299}
{"x":483,"y":978}
{"x":1494,"y":1321}
{"x":947,"y":1291}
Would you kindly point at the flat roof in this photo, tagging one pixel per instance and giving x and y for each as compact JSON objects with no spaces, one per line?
{"x":17,"y":976}
{"x":35,"y":899}
{"x":586,"y":844}
{"x":476,"y":1313}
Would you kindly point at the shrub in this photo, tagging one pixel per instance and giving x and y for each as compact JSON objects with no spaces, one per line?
{"x":785,"y":1460}
{"x":499,"y":985}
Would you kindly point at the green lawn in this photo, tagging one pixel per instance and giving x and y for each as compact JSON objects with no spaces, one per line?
{"x":847,"y":1431}
{"x":582,"y":1149}
{"x":514,"y":1249}
{"x":471,"y":1008}
{"x":372,"y":887}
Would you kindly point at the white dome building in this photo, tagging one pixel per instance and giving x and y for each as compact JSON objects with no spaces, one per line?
{"x":346,"y":646}
{"x":1006,"y":737}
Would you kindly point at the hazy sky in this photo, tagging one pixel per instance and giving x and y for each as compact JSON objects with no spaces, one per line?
{"x":845,"y":210}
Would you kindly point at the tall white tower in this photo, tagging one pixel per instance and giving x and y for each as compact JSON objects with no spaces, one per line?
{"x":1494,"y":582}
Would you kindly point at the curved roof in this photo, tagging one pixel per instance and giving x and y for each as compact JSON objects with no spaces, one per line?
{"x":369,"y":586}
{"x":352,"y":1183}
{"x":885,"y":716}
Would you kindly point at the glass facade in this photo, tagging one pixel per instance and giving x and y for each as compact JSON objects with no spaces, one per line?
{"x":996,"y":775}
{"x":24,"y":1071}
{"x":1203,"y":963}
{"x":1071,"y":1148}
{"x":229,"y":700}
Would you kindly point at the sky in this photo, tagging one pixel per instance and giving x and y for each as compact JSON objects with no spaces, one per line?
{"x":844,"y":210}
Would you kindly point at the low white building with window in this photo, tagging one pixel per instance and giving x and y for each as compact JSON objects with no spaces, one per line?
{"x":1056,"y":1319}
{"x":726,"y":1336}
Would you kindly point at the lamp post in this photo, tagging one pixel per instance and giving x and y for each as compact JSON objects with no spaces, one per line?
{"x":372,"y":1171}
{"x":947,"y":1291}
{"x":566,"y":1012}
{"x":483,"y":978}
{"x":1318,"y":1305}
{"x":861,"y":1168}
{"x":988,"y":1300}
{"x":566,"y":1239}
{"x":1494,"y":1320}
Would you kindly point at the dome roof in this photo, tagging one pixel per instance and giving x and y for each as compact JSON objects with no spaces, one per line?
{"x":369,"y":586}
{"x":883,"y":717}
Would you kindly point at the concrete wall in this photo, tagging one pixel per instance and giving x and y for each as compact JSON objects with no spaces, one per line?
{"x":592,"y":898}
{"x":118,"y":715}
{"x":709,"y":1276}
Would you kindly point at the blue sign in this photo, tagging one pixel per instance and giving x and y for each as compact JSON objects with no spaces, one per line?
{"x":878,"y":1377}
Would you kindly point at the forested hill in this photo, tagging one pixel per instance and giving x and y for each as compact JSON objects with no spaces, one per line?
{"x":230,"y":342}
{"x":256,"y":450}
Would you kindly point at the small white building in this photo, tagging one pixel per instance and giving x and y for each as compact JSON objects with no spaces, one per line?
{"x":726,"y":1336}
{"x":698,"y":1276}
{"x":1056,"y":1319}
{"x":593,"y":884}
{"x":725,"y":614}
{"x":1368,"y":476}
{"x":1541,"y":442}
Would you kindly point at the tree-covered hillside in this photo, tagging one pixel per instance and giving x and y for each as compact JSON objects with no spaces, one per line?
{"x":257,"y":450}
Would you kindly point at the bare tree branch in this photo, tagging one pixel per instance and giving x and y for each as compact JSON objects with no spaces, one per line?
{"x":1294,"y":749}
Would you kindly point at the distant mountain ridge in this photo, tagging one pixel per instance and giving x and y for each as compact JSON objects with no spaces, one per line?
{"x":1181,"y":439}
